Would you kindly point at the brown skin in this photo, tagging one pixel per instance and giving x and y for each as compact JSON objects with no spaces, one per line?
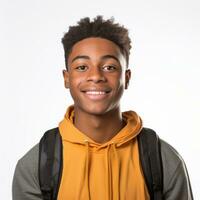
{"x":97,"y":64}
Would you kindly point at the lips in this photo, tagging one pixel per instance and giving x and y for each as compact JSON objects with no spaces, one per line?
{"x":96,"y":90}
{"x":96,"y":94}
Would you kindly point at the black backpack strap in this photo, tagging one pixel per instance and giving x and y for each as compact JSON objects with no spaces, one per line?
{"x":151,"y":161}
{"x":50,"y":163}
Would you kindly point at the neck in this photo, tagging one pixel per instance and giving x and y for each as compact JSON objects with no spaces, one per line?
{"x":100,"y":128}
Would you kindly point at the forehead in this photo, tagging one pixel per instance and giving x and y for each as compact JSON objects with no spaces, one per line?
{"x":95,"y":47}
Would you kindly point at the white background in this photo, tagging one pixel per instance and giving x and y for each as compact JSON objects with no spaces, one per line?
{"x":165,"y":65}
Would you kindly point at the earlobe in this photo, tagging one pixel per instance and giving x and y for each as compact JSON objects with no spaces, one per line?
{"x":127,"y":78}
{"x":66,"y":78}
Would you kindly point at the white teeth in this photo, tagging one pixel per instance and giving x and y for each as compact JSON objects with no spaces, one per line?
{"x":95,"y":92}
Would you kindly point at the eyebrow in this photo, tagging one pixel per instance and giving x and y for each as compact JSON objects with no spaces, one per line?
{"x":102,"y":58}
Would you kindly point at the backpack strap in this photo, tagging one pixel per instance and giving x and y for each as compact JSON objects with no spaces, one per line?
{"x":50,"y":163}
{"x":151,"y":161}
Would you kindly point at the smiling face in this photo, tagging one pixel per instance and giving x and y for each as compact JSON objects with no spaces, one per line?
{"x":96,"y":76}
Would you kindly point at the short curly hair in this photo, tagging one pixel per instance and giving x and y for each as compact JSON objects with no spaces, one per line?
{"x":99,"y":27}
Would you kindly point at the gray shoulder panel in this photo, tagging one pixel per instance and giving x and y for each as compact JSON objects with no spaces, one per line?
{"x":175,"y":176}
{"x":25,"y":182}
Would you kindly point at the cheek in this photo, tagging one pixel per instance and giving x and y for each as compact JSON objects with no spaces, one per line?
{"x":75,"y":81}
{"x":119,"y":82}
{"x":74,"y":86}
{"x":120,"y":87}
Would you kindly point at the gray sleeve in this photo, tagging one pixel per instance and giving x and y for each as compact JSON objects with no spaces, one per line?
{"x":175,"y":176}
{"x":25,"y":182}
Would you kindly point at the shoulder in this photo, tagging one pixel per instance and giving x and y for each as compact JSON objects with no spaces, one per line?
{"x":25,"y":181}
{"x":171,"y":161}
{"x":30,"y":159}
{"x":27,"y":166}
{"x":170,"y":157}
{"x":176,"y":183}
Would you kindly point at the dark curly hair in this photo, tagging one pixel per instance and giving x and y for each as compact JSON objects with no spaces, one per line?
{"x":99,"y":27}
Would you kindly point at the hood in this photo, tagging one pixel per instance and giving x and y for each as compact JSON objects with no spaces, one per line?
{"x":129,"y":131}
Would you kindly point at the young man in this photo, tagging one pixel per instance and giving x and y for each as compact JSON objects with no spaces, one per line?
{"x":100,"y":146}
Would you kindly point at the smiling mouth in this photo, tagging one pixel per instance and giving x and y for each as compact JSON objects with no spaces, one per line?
{"x":96,"y":94}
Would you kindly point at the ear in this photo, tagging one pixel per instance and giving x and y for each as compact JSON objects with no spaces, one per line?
{"x":127,"y":78}
{"x":66,"y":78}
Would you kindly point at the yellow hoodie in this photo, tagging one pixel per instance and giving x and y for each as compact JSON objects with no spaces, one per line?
{"x":109,"y":171}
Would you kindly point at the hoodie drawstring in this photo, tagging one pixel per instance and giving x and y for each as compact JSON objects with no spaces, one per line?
{"x":87,"y":169}
{"x":110,"y":179}
{"x":117,"y":174}
{"x":108,"y":175}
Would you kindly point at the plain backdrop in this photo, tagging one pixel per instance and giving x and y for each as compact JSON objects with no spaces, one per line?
{"x":165,"y":64}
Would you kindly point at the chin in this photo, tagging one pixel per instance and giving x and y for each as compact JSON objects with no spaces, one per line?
{"x":96,"y":110}
{"x":101,"y":109}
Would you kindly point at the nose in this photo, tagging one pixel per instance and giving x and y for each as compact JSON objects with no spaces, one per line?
{"x":96,"y":75}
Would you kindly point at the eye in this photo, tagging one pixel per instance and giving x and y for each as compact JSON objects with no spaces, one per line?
{"x":81,"y":68}
{"x":109,"y":68}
